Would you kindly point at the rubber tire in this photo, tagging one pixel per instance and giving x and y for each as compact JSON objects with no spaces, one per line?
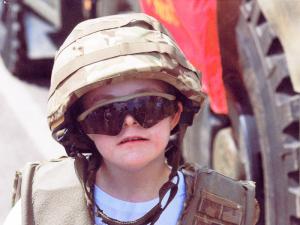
{"x":276,"y":109}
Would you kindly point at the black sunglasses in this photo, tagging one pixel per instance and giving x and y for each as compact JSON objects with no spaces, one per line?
{"x":107,"y":117}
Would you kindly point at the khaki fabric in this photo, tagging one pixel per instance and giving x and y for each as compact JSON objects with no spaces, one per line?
{"x":215,"y":199}
{"x":52,"y":194}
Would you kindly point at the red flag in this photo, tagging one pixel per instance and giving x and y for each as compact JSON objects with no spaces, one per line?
{"x":193,"y":24}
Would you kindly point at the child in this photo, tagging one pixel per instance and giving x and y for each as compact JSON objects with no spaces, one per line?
{"x":121,"y":97}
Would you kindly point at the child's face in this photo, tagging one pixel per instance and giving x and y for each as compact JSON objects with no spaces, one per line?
{"x":134,"y":147}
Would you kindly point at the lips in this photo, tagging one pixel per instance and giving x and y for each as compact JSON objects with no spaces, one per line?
{"x":132,"y":139}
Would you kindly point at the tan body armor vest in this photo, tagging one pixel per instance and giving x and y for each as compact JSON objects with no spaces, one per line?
{"x":51,"y":193}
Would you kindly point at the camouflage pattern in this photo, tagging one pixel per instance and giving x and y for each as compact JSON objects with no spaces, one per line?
{"x":115,"y":48}
{"x":284,"y":17}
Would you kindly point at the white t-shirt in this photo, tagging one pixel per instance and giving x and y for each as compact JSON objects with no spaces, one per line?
{"x":129,"y":211}
{"x":123,"y":210}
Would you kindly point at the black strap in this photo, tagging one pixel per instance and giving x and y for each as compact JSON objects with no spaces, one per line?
{"x":152,"y":216}
{"x":81,"y":165}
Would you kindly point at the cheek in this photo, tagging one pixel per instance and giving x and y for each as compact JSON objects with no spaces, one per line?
{"x":160,"y":133}
{"x":103,"y":143}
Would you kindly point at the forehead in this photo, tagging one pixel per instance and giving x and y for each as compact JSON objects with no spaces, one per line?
{"x":124,"y":88}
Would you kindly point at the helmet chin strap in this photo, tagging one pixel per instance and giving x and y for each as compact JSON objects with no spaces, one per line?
{"x":84,"y":166}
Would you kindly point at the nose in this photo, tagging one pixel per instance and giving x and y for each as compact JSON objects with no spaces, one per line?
{"x":129,"y":121}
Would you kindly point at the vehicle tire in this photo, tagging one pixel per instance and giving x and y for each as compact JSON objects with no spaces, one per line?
{"x":276,"y":109}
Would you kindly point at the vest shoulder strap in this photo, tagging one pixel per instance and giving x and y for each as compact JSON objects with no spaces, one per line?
{"x":216,"y":199}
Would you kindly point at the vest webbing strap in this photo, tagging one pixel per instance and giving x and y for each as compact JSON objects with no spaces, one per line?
{"x":26,"y":194}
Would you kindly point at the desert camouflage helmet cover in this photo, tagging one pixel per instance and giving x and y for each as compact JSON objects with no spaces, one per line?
{"x":113,"y":48}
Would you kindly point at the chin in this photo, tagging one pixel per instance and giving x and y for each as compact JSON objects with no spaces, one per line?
{"x":135,"y":165}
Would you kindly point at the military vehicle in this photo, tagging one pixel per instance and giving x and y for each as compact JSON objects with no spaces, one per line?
{"x":32,"y":30}
{"x":259,"y":138}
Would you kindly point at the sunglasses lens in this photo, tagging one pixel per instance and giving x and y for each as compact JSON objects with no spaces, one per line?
{"x":147,"y":111}
{"x":152,"y":110}
{"x":104,"y":120}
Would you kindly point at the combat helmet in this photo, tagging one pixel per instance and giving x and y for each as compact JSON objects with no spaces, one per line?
{"x":107,"y":50}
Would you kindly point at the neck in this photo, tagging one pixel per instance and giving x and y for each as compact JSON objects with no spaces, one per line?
{"x":134,"y":186}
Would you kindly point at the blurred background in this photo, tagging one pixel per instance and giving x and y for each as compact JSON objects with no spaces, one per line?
{"x":247,"y":52}
{"x":25,"y":135}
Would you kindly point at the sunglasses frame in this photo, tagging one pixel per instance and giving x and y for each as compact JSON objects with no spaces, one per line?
{"x":124,"y":99}
{"x":104,"y":102}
